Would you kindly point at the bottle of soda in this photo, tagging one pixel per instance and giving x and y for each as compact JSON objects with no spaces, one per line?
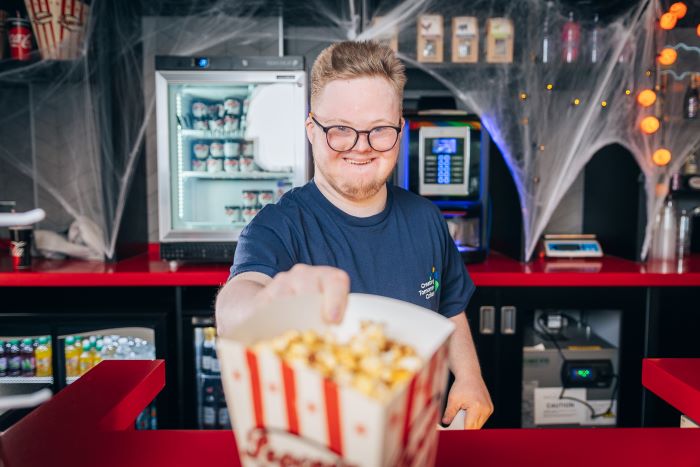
{"x":3,"y":359}
{"x":85,"y":359}
{"x":14,"y":360}
{"x":27,"y":360}
{"x":224,"y":420}
{"x":570,"y":37}
{"x":43,"y":357}
{"x":72,"y":358}
{"x":208,"y":352}
{"x":209,"y":407}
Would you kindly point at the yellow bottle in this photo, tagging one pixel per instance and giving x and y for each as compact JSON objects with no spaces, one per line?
{"x":85,"y":358}
{"x":43,"y":357}
{"x":96,"y":352}
{"x":72,"y":358}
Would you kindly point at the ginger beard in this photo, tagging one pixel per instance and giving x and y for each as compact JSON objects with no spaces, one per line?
{"x":360,"y":103}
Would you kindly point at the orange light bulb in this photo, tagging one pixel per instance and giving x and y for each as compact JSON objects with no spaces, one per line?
{"x":668,"y":21}
{"x":649,"y":125}
{"x":697,"y":30}
{"x":679,"y":9}
{"x":661,"y":157}
{"x":646,"y":98}
{"x":668,"y":56}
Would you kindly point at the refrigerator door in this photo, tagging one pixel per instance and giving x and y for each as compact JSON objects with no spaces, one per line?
{"x":212,"y":412}
{"x":229,"y":142}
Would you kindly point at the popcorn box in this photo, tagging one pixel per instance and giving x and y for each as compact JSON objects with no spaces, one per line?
{"x":59,"y":27}
{"x":290,"y":415}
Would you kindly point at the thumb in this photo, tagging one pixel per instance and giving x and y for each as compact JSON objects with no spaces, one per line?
{"x":450,"y":411}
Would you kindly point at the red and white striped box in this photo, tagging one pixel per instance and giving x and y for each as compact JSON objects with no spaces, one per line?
{"x":59,"y":27}
{"x":291,"y":415}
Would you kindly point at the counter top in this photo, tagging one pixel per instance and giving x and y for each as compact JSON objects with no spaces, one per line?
{"x":89,"y":423}
{"x":675,"y":380}
{"x":497,"y":271}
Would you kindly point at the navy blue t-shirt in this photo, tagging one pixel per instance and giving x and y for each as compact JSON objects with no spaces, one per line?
{"x":404,"y":252}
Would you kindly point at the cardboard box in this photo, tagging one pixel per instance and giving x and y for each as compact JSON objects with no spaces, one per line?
{"x":59,"y":27}
{"x":430,"y":33}
{"x":387,"y":33}
{"x":499,"y":40}
{"x":465,"y":39}
{"x":282,"y":413}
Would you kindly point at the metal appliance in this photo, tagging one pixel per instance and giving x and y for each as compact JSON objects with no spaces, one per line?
{"x":230,"y":140}
{"x":570,"y":374}
{"x":445,"y":159}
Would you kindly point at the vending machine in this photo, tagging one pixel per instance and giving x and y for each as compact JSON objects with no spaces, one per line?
{"x":231,"y":140}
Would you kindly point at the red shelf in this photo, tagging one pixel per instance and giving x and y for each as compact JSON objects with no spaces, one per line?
{"x":675,"y":380}
{"x":497,"y":271}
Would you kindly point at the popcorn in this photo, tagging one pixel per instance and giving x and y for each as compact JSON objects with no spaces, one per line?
{"x":369,"y":362}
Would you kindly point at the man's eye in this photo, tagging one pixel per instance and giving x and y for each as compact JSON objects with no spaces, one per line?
{"x":343,"y":129}
{"x":381,"y":130}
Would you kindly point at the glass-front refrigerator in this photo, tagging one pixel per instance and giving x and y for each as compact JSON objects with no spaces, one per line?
{"x":231,"y":140}
{"x":54,"y":349}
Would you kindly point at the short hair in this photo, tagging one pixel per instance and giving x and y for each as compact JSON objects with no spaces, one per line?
{"x":350,"y":59}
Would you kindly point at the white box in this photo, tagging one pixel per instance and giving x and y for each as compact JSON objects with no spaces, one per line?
{"x":279,"y":410}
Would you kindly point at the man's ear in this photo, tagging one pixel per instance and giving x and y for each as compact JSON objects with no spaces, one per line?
{"x":309,"y":124}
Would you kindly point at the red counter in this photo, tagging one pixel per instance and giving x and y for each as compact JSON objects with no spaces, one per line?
{"x":497,"y":271}
{"x":90,"y":423}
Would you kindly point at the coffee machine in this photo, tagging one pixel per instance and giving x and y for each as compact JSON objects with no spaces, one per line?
{"x":444,"y":157}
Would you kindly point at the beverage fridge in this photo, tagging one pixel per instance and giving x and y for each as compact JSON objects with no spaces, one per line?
{"x":231,"y":139}
{"x":55,"y":349}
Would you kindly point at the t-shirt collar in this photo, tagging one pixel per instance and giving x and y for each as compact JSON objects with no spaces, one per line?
{"x":347,"y":218}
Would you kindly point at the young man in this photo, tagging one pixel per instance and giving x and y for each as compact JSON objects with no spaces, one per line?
{"x":348,"y":230}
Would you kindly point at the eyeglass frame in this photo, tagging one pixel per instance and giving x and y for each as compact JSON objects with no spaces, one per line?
{"x":326,"y":129}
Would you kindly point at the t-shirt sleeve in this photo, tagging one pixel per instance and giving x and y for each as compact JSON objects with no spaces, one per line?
{"x":456,"y":288}
{"x":263,"y":247}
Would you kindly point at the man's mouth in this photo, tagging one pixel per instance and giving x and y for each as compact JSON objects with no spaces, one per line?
{"x":357,"y":161}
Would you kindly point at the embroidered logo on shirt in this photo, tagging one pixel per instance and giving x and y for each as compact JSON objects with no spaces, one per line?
{"x":428,"y":288}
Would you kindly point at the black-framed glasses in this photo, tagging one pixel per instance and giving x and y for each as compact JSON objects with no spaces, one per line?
{"x":341,"y":138}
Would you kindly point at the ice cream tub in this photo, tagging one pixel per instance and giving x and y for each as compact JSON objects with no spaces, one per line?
{"x":289,"y":414}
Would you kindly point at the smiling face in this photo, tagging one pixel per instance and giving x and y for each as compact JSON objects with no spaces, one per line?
{"x":361,"y":103}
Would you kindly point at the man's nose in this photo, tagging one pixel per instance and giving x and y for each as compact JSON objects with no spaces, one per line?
{"x":363,"y":143}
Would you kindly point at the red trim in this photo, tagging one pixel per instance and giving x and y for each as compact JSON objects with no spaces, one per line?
{"x":53,"y":33}
{"x":335,"y":440}
{"x":409,"y":407}
{"x":290,"y":396}
{"x":255,"y":388}
{"x":148,"y":270}
{"x":675,"y":380}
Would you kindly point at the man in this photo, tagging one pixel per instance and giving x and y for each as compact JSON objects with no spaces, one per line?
{"x":348,"y":230}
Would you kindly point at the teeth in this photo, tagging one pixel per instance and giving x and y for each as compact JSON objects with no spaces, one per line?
{"x":357,"y":163}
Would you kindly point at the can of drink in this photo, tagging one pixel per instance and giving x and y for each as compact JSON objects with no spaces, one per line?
{"x":234,"y":212}
{"x":266,"y":197}
{"x":247,"y":164}
{"x":248,"y":149}
{"x":231,"y":148}
{"x":19,"y":34}
{"x":216,"y":124}
{"x":249,"y":213}
{"x":250,"y":198}
{"x":230,"y":123}
{"x":200,"y":123}
{"x":232,"y":106}
{"x":21,"y":246}
{"x":199,"y":165}
{"x":231,"y":163}
{"x":199,"y":109}
{"x":215,"y":164}
{"x":216,"y":148}
{"x":200,"y":149}
{"x":216,"y":110}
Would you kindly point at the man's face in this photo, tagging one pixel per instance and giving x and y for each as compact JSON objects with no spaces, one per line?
{"x":363,"y":104}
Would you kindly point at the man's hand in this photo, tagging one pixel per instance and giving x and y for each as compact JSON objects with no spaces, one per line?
{"x":242,"y":294}
{"x":332,"y":283}
{"x":468,"y":391}
{"x":471,"y":395}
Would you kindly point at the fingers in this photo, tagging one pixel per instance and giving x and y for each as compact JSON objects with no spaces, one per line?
{"x":472,"y":420}
{"x":335,"y":287}
{"x":333,"y":284}
{"x":453,"y":406}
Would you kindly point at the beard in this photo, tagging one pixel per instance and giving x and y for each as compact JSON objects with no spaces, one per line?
{"x":357,"y":191}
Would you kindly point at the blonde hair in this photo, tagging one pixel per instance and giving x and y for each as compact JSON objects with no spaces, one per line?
{"x":349,"y":59}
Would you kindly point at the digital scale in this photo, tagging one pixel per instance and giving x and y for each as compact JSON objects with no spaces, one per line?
{"x":572,"y":246}
{"x":443,"y":161}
